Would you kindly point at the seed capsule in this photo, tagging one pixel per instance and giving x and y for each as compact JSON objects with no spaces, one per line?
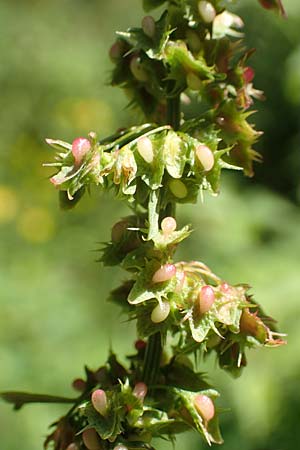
{"x":178,"y":189}
{"x":91,"y":439}
{"x":205,"y":156}
{"x":80,"y":147}
{"x":206,"y":299}
{"x":248,"y":74}
{"x":137,"y":69}
{"x":160,"y":312}
{"x":206,"y":11}
{"x":205,"y":407}
{"x":99,"y":401}
{"x":79,"y":385}
{"x":165,"y":273}
{"x":168,"y":225}
{"x":148,"y":26}
{"x":145,"y":149}
{"x":193,"y":82}
{"x":140,"y":391}
{"x":140,"y":345}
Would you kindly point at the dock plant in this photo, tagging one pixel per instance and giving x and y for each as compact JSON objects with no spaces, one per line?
{"x":188,"y":74}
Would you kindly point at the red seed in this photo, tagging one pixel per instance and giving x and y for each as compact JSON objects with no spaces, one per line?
{"x":206,"y":299}
{"x":80,"y":147}
{"x":205,"y":407}
{"x":248,"y":74}
{"x":140,"y":390}
{"x":140,"y":345}
{"x":165,"y":273}
{"x":79,"y":385}
{"x":99,"y":401}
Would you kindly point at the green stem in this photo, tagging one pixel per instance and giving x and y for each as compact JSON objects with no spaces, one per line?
{"x":152,"y":359}
{"x":173,"y":112}
{"x":154,"y":347}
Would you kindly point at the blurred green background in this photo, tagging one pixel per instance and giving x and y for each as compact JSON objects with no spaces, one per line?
{"x":54,"y":315}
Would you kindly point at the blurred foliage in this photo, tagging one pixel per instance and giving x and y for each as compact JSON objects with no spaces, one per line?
{"x":54,"y":315}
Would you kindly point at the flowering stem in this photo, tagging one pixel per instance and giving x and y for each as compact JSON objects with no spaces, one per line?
{"x":173,"y":112}
{"x":152,"y":359}
{"x":154,"y":347}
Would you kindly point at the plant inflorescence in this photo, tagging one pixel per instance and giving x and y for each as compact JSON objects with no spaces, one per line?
{"x":188,"y":74}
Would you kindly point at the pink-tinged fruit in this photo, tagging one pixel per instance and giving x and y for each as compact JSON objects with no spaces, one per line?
{"x":165,"y":273}
{"x":205,"y":156}
{"x":91,"y":439}
{"x":206,"y":299}
{"x":205,"y":407}
{"x":248,"y":74}
{"x":80,"y":147}
{"x":168,"y":225}
{"x":140,"y":390}
{"x":99,"y":401}
{"x":160,"y":312}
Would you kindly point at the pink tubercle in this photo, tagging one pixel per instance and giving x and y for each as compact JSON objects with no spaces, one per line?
{"x":206,"y":299}
{"x":99,"y":401}
{"x":205,"y":407}
{"x":248,"y":74}
{"x":80,"y":147}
